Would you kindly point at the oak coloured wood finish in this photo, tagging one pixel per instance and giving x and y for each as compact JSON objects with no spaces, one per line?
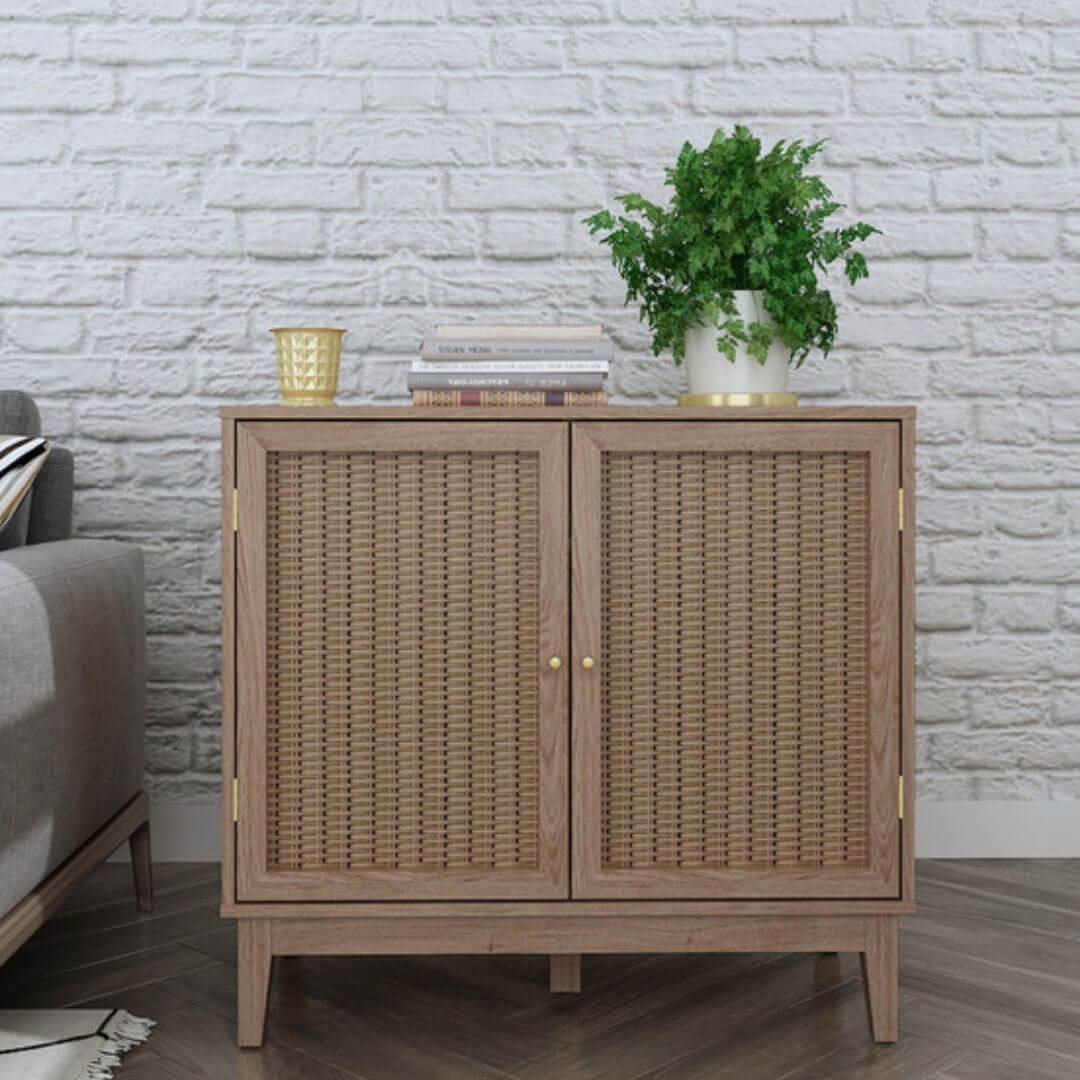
{"x":404,"y":735}
{"x":262,"y":939}
{"x":308,"y":867}
{"x":229,"y":604}
{"x":561,"y":414}
{"x":564,"y":973}
{"x":254,"y":962}
{"x":737,"y":734}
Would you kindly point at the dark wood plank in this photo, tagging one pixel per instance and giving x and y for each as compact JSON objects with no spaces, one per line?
{"x":211,"y":987}
{"x":110,"y":886}
{"x":1023,"y":971}
{"x":858,"y":1059}
{"x":970,"y":1020}
{"x":831,"y":1024}
{"x":156,"y":1069}
{"x":981,"y":1067}
{"x":628,"y":990}
{"x":105,"y":916}
{"x":652,"y":1040}
{"x":29,"y":968}
{"x":388,"y":1043}
{"x":990,"y":990}
{"x":115,"y":977}
{"x":1023,"y":893}
{"x":366,"y":988}
{"x":202,"y":1044}
{"x":219,"y":944}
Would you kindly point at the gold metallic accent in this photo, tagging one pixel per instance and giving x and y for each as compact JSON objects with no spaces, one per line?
{"x":235,"y":799}
{"x":309,"y":359}
{"x":554,"y":663}
{"x":901,"y":796}
{"x":588,"y":663}
{"x":901,"y":509}
{"x":738,"y":399}
{"x":235,"y":511}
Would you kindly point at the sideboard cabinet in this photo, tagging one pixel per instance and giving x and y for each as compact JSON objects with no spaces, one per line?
{"x":567,"y":681}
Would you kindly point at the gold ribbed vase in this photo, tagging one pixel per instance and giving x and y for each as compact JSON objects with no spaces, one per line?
{"x":309,"y":359}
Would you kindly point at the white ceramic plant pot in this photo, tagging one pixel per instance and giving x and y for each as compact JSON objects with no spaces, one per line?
{"x":709,"y":371}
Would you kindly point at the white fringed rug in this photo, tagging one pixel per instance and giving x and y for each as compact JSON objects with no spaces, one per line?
{"x":66,"y":1044}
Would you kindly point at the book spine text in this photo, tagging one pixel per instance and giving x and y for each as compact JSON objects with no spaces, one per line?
{"x":511,"y":380}
{"x":492,"y":398}
{"x":536,"y":331}
{"x":487,"y":367}
{"x":510,"y":350}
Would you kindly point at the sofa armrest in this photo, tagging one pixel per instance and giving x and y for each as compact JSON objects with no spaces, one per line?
{"x":52,"y":499}
{"x":72,"y":700}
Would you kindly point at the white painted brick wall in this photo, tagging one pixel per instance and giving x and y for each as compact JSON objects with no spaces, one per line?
{"x":178,"y":175}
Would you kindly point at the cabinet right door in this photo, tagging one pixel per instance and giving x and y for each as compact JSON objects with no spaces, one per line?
{"x":736,"y":585}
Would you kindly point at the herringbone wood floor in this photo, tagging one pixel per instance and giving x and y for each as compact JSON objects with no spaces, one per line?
{"x":991,"y":991}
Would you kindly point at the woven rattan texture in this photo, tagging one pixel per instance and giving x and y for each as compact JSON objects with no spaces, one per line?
{"x":402,"y":660}
{"x":735,"y":720}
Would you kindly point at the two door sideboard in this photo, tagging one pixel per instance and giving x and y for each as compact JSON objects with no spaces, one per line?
{"x":567,"y":681}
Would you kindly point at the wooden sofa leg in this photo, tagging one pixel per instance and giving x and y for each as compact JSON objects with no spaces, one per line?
{"x":565,"y":973}
{"x":142,"y":867}
{"x":253,"y":979}
{"x":881,"y":977}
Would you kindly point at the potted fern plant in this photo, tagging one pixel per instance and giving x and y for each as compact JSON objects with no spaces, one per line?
{"x":729,"y":275}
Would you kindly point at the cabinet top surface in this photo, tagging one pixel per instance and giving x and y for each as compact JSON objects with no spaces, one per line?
{"x":607,"y":412}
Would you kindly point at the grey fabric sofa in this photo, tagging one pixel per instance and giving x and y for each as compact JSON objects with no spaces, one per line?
{"x":72,"y":698}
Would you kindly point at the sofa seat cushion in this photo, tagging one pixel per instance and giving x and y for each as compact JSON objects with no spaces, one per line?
{"x":72,"y":700}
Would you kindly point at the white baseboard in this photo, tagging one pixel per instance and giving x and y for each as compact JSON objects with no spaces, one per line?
{"x":997,"y":830}
{"x":184,"y":832}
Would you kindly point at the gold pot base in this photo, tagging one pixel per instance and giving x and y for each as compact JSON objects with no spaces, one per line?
{"x":739,"y":399}
{"x":302,"y":400}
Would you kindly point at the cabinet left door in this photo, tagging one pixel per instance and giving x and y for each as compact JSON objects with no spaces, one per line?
{"x":401,"y":590}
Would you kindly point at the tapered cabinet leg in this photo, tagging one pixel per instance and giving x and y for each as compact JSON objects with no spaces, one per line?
{"x":253,"y":979}
{"x":142,"y":867}
{"x":565,"y":973}
{"x":881,"y":977}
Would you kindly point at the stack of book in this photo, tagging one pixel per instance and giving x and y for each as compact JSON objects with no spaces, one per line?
{"x":485,"y":364}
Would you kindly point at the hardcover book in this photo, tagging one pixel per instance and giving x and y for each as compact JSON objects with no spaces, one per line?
{"x":510,"y":397}
{"x":512,"y":349}
{"x":487,"y":367}
{"x":510,"y":379}
{"x":537,"y":331}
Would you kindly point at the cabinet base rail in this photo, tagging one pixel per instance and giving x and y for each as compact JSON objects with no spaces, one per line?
{"x":564,"y":939}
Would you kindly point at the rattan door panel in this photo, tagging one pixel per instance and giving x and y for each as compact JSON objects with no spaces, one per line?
{"x":400,"y":590}
{"x":738,"y":586}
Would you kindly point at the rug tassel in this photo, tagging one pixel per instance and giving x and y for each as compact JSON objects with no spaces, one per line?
{"x":124,"y":1032}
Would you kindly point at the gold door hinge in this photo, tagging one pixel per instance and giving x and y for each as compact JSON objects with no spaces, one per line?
{"x":901,"y":796}
{"x":235,"y":799}
{"x":235,"y":511}
{"x":901,"y":509}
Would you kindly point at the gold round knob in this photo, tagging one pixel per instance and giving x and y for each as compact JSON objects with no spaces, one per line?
{"x":554,"y":663}
{"x":587,"y":663}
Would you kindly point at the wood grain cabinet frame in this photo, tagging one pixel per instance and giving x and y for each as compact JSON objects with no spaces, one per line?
{"x":571,"y":681}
